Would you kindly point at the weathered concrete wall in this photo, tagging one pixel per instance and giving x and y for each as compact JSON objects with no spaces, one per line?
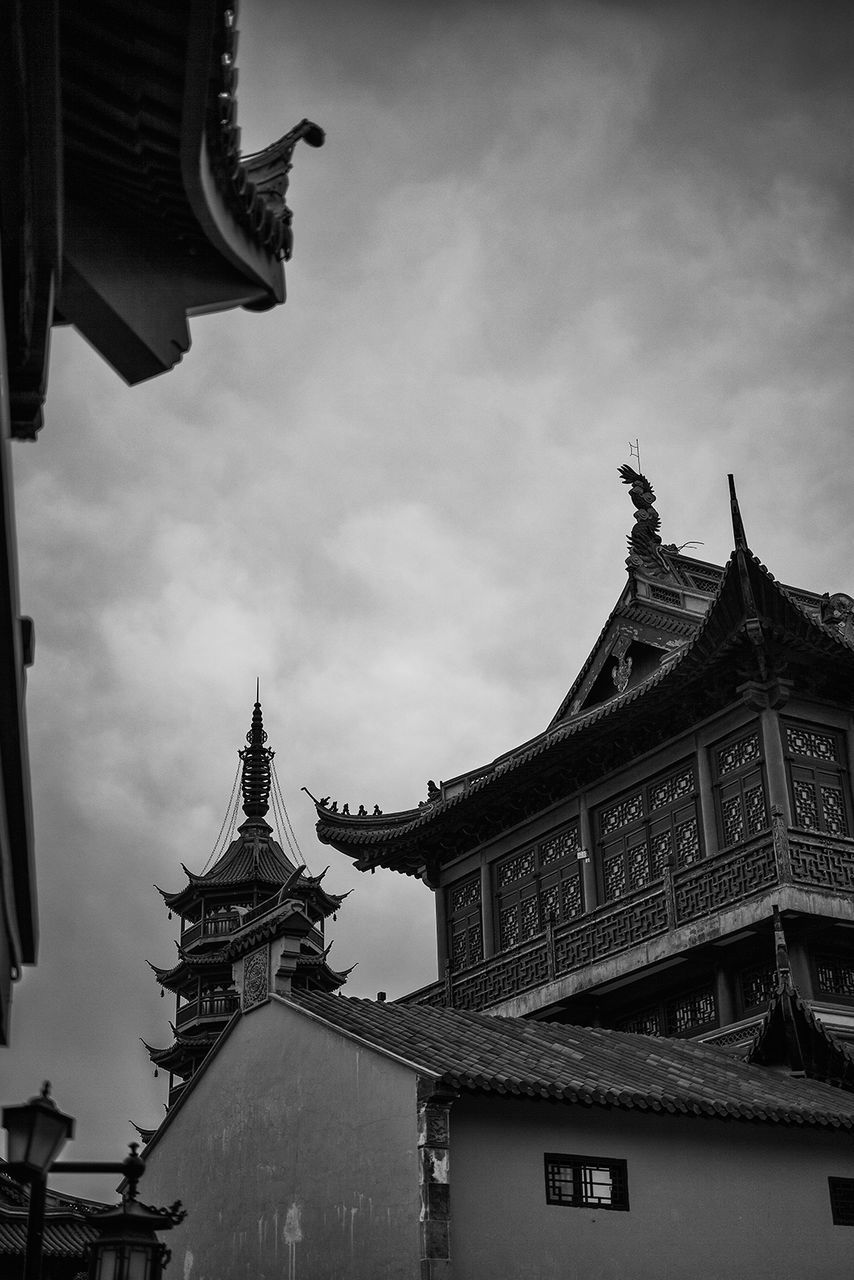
{"x":708,"y":1199}
{"x":295,"y":1155}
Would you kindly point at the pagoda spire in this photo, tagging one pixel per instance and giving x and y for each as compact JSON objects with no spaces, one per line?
{"x":256,"y":757}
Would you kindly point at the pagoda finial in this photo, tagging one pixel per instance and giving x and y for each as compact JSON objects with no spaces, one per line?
{"x":256,"y":757}
{"x":739,"y":536}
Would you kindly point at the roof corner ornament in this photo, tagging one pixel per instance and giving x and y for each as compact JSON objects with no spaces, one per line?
{"x":644,"y":540}
{"x":268,"y":171}
{"x":837,"y":612}
{"x":738,"y":534}
{"x":257,"y":759}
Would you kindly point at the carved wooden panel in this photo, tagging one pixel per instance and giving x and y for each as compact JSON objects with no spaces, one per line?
{"x":822,"y":862}
{"x":703,"y":889}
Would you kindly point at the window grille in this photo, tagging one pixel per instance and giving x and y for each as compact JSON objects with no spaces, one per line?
{"x":834,"y":976}
{"x":740,"y":794}
{"x":586,"y":1181}
{"x":639,"y":834}
{"x":818,"y":779}
{"x":683,"y":1015}
{"x":842,"y":1201}
{"x":758,"y":985}
{"x":536,"y":884}
{"x":465,"y":926}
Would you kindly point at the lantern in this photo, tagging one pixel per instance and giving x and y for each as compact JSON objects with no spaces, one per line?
{"x":37,"y":1131}
{"x":127,"y":1247}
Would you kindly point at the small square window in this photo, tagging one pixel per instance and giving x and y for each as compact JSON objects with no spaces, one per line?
{"x":842,"y":1201}
{"x":586,"y":1182}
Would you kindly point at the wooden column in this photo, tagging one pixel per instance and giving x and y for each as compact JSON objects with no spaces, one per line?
{"x":487,"y":915}
{"x":588,"y":868}
{"x":775,"y":764}
{"x":706,"y":793}
{"x":724,"y":997}
{"x":440,"y":895}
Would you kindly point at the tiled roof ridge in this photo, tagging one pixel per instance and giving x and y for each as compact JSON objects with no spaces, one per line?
{"x":590,"y":1066}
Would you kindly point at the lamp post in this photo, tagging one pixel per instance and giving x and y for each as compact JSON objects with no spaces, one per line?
{"x":127,"y":1247}
{"x":37,"y":1133}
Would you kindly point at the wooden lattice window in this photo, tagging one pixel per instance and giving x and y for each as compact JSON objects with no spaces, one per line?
{"x":682,"y":1015}
{"x":818,"y":778}
{"x":580,"y":1182}
{"x":834,"y":976}
{"x":465,"y":924}
{"x":536,"y":884}
{"x":656,"y":824}
{"x":757,"y":985}
{"x":740,"y":794}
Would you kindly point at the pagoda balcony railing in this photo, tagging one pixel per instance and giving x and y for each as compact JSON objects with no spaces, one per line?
{"x":212,"y":927}
{"x":221,"y":1005}
{"x":680,"y":897}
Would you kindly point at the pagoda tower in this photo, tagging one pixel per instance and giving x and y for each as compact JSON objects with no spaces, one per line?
{"x":253,"y":894}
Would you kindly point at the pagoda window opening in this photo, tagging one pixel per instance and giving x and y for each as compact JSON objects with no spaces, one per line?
{"x":648,"y":828}
{"x":465,"y":923}
{"x":818,"y":778}
{"x":538,"y":884}
{"x":741,"y":803}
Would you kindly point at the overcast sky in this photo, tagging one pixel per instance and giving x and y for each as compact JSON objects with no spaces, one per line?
{"x":536,"y":232}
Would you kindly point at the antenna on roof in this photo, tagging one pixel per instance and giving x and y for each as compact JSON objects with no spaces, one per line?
{"x":257,"y":688}
{"x":739,"y":536}
{"x":634,"y":451}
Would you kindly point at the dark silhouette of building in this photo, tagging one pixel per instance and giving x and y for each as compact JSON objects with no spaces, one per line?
{"x":125,"y":206}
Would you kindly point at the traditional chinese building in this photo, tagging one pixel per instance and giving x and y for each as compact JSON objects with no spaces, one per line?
{"x":254,"y":894}
{"x":621,"y":868}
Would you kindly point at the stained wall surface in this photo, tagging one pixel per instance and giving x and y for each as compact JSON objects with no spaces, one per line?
{"x":295,"y":1155}
{"x":709,"y":1199}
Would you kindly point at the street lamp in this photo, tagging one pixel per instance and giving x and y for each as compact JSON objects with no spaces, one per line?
{"x":127,"y":1247}
{"x":37,"y":1133}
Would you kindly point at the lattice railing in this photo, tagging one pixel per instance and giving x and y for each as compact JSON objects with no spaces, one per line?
{"x":822,"y":860}
{"x":725,"y":879}
{"x":610,"y":930}
{"x":685,"y":895}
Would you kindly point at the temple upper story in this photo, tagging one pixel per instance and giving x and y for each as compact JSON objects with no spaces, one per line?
{"x":621,"y":867}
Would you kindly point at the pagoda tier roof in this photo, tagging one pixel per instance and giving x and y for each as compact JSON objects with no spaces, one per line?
{"x":253,"y":860}
{"x":190,"y":965}
{"x":184,"y":1048}
{"x":754,"y":631}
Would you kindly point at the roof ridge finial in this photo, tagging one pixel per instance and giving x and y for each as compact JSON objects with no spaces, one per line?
{"x":256,"y":757}
{"x":739,"y":536}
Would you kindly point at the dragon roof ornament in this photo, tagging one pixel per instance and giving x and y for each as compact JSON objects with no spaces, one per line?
{"x":645,"y":546}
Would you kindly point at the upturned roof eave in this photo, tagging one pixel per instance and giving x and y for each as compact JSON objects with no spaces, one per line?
{"x":398,"y":840}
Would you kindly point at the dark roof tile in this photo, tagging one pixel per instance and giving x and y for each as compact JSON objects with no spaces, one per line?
{"x":507,"y":1056}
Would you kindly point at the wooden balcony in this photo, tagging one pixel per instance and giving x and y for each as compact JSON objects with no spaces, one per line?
{"x":213,"y":927}
{"x":681,"y":897}
{"x":216,"y":1007}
